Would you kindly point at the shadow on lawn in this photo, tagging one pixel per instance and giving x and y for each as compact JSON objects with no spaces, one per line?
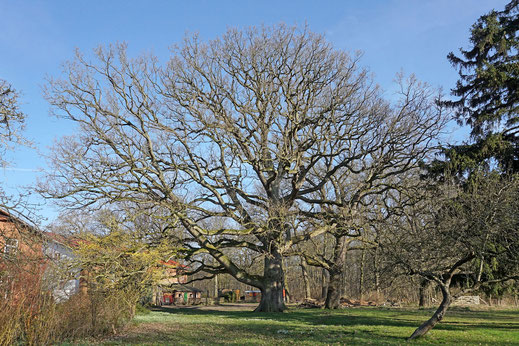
{"x":308,"y":317}
{"x":299,"y":327}
{"x":310,"y":326}
{"x":243,"y":336}
{"x":411,"y":318}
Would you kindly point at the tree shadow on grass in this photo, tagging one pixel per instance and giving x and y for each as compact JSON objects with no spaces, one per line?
{"x":197,"y":325}
{"x":370,"y":316}
{"x":243,"y":329}
{"x":311,"y":317}
{"x":243,"y":337}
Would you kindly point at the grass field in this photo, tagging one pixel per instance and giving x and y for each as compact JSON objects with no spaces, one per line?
{"x":377,"y":326}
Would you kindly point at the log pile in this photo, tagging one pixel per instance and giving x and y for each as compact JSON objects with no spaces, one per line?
{"x":310,"y":304}
{"x":348,"y":303}
{"x":467,"y":300}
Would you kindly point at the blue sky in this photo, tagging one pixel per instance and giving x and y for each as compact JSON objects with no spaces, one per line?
{"x":36,"y":37}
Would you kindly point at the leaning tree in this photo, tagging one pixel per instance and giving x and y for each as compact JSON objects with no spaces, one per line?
{"x":461,"y":239}
{"x":232,"y":138}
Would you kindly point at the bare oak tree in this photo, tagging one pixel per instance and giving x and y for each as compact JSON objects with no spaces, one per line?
{"x":241,"y":131}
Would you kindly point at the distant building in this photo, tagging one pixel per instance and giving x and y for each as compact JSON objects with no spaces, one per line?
{"x":253,"y":296}
{"x":58,"y":250}
{"x":171,"y":289}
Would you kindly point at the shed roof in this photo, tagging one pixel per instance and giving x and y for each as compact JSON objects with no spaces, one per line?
{"x":181,"y":288}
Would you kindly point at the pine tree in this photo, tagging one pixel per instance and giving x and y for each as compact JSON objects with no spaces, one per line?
{"x":488,"y":93}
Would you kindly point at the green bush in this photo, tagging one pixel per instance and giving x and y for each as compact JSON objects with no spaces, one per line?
{"x":141,"y":310}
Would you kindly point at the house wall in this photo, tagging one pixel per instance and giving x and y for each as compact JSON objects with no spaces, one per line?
{"x":171,"y":275}
{"x":29,"y":242}
{"x":34,"y":264}
{"x":21,"y":266}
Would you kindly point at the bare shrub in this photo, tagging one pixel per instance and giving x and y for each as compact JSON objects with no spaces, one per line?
{"x":34,"y":317}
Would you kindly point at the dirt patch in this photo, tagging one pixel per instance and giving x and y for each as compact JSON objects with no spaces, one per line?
{"x":141,"y":332}
{"x":153,"y":327}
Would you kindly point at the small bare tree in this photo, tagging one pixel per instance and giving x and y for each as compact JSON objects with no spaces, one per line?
{"x":447,"y":232}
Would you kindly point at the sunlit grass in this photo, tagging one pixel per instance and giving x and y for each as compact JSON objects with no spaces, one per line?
{"x":317,"y":327}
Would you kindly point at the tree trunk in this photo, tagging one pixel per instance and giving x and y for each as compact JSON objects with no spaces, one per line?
{"x":333,"y":295}
{"x":215,"y":286}
{"x":377,"y":272}
{"x":216,"y":295}
{"x":437,"y":316}
{"x":273,"y":284}
{"x":131,"y":308}
{"x":424,"y":284}
{"x":324,"y":283}
{"x":287,"y":295}
{"x":361,"y":278}
{"x":306,"y":281}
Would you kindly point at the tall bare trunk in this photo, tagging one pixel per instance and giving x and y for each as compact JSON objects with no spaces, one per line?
{"x":324,"y":276}
{"x":286,"y":295}
{"x":376,"y":266}
{"x":437,"y":316}
{"x":361,"y":278}
{"x":216,"y":296}
{"x":306,"y":281}
{"x":333,"y":294}
{"x":324,"y":283}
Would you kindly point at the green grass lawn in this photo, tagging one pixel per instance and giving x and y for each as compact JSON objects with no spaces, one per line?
{"x":377,"y":326}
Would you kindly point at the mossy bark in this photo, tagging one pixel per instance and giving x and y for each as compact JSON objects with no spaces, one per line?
{"x":333,"y":295}
{"x":272,"y":284}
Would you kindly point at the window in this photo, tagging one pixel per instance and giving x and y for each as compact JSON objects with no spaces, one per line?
{"x":55,"y":255}
{"x":11,"y":246}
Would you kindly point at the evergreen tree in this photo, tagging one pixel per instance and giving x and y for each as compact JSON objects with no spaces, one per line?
{"x":488,"y":91}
